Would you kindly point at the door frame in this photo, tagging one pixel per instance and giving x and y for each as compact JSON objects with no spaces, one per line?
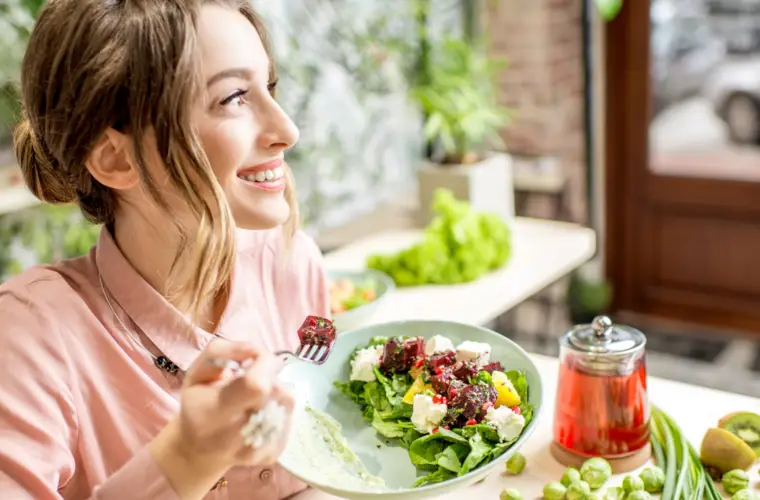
{"x":632,"y":191}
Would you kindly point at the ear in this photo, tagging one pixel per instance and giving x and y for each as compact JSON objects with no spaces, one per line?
{"x":111,"y":163}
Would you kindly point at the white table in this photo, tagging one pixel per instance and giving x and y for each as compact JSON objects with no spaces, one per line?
{"x":543,"y":252}
{"x":695,"y":409}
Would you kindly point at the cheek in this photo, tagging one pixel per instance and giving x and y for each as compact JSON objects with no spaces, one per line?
{"x":228,"y":148}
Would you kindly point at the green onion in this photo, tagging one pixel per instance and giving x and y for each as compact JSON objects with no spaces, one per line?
{"x":685,"y":476}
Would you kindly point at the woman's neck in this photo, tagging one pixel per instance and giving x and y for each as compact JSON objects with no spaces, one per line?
{"x":151,"y":252}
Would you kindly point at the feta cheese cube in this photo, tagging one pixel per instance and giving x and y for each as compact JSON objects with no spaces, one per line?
{"x":438,"y":343}
{"x":427,"y":415}
{"x":363,"y":364}
{"x":508,"y":424}
{"x":479,"y":352}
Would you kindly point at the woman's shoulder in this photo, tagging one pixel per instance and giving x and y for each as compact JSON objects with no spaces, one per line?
{"x":30,"y":314}
{"x":37,"y":301}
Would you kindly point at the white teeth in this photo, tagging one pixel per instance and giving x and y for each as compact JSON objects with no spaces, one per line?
{"x":265,"y":175}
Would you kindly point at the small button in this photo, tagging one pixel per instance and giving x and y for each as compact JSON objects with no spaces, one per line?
{"x":266,"y":475}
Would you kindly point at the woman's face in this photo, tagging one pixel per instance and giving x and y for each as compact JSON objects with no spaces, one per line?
{"x":243,"y":130}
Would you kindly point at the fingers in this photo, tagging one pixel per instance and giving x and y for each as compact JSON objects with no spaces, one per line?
{"x":212,"y":362}
{"x":251,"y":391}
{"x":270,"y":451}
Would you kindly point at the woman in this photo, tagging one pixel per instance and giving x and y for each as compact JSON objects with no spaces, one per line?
{"x":157,"y":118}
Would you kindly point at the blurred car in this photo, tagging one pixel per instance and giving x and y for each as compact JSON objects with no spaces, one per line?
{"x":734,"y":93}
{"x":684,"y":51}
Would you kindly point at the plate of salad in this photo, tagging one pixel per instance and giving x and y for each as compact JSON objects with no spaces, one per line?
{"x":410,"y":409}
{"x":355,"y":296}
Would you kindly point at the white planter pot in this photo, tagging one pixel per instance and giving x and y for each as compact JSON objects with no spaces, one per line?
{"x":486,"y":185}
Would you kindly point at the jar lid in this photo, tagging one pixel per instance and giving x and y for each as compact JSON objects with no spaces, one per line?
{"x":604,"y":337}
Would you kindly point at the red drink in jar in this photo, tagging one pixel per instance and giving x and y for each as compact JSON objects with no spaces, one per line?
{"x":602,"y":408}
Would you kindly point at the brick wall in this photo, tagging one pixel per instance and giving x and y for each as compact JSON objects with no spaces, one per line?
{"x":543,"y":83}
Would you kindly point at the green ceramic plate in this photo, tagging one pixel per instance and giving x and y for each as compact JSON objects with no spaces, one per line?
{"x":391,"y":463}
{"x":361,"y":316}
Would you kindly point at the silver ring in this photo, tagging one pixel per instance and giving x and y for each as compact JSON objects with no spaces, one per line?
{"x":264,"y":425}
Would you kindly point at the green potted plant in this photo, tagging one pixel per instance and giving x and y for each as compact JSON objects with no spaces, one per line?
{"x":588,"y":294}
{"x":463,"y":120}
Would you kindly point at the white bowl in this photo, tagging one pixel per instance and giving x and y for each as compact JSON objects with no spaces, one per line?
{"x":362,"y":315}
{"x":314,"y":385}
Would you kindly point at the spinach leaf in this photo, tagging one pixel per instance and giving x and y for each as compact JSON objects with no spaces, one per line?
{"x":451,"y":457}
{"x":390,"y":428}
{"x":393,"y":397}
{"x":436,"y":477}
{"x":486,"y":432}
{"x":424,"y":451}
{"x":479,"y":451}
{"x":410,"y":436}
{"x":354,"y":390}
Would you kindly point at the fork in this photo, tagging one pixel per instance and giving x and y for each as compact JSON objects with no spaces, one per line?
{"x":317,"y":338}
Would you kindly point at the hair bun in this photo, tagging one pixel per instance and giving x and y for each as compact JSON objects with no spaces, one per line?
{"x":43,"y":174}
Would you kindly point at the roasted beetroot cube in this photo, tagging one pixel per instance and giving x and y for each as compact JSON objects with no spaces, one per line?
{"x":441,"y":360}
{"x":400,"y":355}
{"x":442,"y":381}
{"x":474,"y":401}
{"x":493,"y":367}
{"x":465,"y":370}
{"x":317,"y":331}
{"x":455,"y":387}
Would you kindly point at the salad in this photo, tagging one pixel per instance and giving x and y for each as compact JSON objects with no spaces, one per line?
{"x":452,"y":408}
{"x":346,"y":295}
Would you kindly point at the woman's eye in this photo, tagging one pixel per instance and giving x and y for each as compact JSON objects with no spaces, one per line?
{"x":236,"y":99}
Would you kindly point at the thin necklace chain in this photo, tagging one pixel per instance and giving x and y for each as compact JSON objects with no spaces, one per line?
{"x":223,"y":481}
{"x":156,"y":359}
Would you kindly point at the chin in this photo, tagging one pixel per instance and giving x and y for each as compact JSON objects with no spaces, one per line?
{"x":262,"y":217}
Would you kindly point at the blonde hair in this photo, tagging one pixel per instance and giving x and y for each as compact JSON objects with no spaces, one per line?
{"x":131,"y":65}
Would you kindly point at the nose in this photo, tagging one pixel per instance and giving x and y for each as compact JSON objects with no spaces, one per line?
{"x":278,"y":132}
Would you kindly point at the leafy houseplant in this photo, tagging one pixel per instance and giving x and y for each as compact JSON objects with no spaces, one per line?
{"x":463,"y":119}
{"x":459,"y":101}
{"x":588,"y":296}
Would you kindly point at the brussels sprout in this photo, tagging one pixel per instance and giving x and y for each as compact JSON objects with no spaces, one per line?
{"x":516,"y":464}
{"x":596,"y":471}
{"x":577,"y":491}
{"x":735,"y":480}
{"x":614,"y":493}
{"x":554,"y":491}
{"x":632,"y":483}
{"x":745,"y":494}
{"x":510,"y":494}
{"x":653,"y":479}
{"x":571,"y":475}
{"x":638,"y":495}
{"x":591,"y":496}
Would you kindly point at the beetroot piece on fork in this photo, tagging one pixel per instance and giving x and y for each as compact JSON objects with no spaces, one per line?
{"x":317,"y":331}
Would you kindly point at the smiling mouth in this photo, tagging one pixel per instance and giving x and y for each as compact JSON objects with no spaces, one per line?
{"x":264,"y":176}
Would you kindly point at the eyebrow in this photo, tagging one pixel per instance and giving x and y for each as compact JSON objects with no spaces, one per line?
{"x":242,"y":73}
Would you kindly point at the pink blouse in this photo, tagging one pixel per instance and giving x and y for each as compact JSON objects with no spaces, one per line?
{"x":80,"y":399}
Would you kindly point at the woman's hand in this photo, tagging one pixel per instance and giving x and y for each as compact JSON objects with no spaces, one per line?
{"x":204,"y":440}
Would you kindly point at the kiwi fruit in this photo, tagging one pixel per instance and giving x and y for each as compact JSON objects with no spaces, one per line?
{"x":724,"y":451}
{"x":746,"y":426}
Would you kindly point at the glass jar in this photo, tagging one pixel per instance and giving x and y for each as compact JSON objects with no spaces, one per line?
{"x":602,"y":408}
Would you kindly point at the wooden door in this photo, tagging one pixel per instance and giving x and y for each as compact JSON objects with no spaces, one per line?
{"x":682,"y":186}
